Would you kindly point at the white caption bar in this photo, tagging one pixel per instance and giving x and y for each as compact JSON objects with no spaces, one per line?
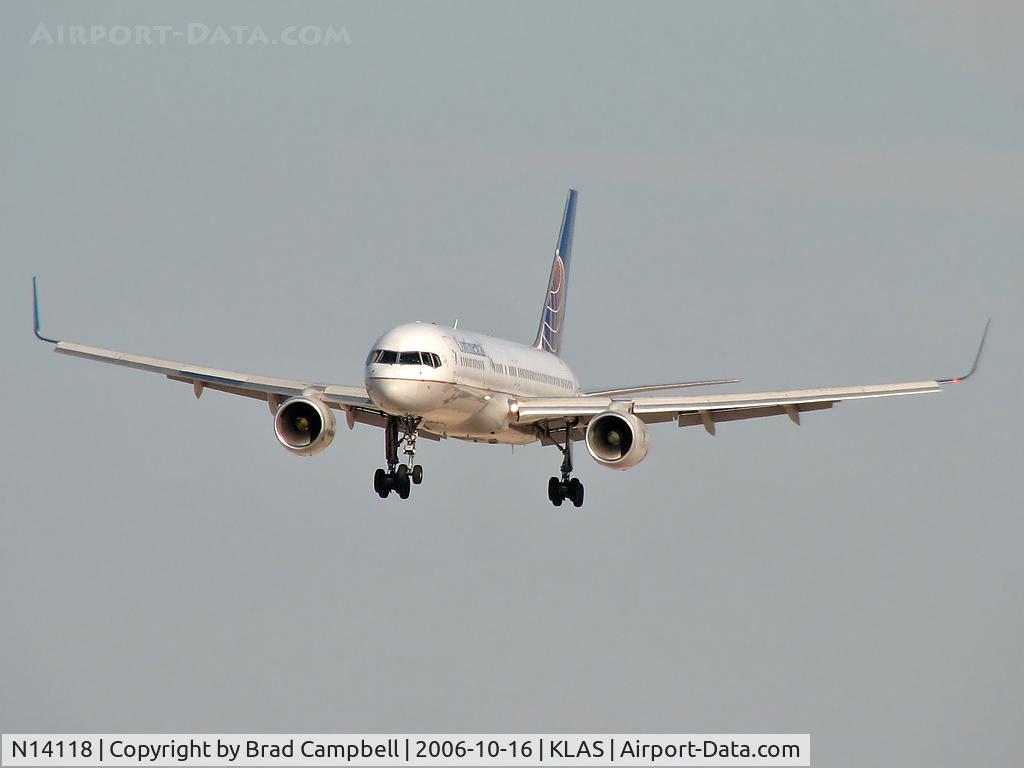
{"x":190,"y":749}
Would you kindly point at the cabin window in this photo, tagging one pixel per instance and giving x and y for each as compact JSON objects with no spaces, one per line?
{"x":409,"y":358}
{"x":387,"y":357}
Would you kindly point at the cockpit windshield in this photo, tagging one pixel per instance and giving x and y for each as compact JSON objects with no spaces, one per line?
{"x":391,"y":357}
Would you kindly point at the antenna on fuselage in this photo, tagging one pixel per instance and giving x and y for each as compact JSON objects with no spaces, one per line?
{"x":455,"y":324}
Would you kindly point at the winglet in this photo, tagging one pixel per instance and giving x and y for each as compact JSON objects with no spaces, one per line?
{"x":35,"y":315}
{"x":977,"y":359}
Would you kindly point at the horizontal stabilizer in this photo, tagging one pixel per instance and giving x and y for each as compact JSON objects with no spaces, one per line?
{"x":656,"y":387}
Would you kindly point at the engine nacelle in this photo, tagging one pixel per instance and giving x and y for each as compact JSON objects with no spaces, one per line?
{"x":304,"y":426}
{"x":617,"y":440}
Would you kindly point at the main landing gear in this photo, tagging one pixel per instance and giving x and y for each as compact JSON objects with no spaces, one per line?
{"x":566,"y":487}
{"x":399,"y":477}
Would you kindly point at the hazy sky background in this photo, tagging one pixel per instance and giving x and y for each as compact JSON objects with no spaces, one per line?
{"x":800,"y":194}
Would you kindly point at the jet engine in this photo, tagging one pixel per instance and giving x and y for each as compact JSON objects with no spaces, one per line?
{"x":617,"y":440}
{"x":304,"y":426}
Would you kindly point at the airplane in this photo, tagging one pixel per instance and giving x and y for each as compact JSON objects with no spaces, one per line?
{"x":436,"y":382}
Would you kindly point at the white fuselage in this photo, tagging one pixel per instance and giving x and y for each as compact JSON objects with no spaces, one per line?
{"x":461,"y":384}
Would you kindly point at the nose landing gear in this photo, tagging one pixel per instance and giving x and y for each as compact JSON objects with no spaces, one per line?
{"x":567,"y":487}
{"x":399,"y":477}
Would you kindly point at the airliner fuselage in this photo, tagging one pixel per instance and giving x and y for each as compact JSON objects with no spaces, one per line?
{"x":461,"y":384}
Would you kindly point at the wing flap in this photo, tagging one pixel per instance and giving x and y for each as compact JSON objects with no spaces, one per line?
{"x":220,"y":387}
{"x":715,"y":417}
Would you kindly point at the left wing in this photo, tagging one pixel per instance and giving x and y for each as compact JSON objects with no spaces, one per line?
{"x":708,"y":410}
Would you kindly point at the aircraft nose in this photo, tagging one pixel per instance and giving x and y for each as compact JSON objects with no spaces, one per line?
{"x":404,"y":396}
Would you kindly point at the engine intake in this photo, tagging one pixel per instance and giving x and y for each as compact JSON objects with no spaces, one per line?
{"x":617,"y":440}
{"x":304,"y":426}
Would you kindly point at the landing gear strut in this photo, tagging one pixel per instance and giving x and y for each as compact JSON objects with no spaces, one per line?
{"x":566,"y":487}
{"x":399,"y":477}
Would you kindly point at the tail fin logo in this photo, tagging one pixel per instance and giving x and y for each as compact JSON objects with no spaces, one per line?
{"x":552,"y":319}
{"x":553,"y":310}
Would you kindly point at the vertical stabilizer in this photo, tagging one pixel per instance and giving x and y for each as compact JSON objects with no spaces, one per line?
{"x":552,"y":319}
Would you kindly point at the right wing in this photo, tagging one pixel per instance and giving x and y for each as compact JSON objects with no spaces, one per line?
{"x":707,"y":409}
{"x":558,"y":413}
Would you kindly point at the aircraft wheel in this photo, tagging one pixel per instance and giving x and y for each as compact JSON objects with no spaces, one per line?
{"x":404,"y":486}
{"x":417,"y":474}
{"x":576,"y":492}
{"x":380,"y":483}
{"x":554,"y":491}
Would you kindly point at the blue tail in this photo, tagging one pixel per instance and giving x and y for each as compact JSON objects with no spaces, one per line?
{"x":552,"y":320}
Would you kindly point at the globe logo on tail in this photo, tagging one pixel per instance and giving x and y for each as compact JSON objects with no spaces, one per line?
{"x":552,"y":316}
{"x":556,"y":300}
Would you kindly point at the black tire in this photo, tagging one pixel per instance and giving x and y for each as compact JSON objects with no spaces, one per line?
{"x":380,"y":483}
{"x":401,"y":474}
{"x":404,"y":486}
{"x":576,"y":492}
{"x":555,"y":491}
{"x":417,"y":474}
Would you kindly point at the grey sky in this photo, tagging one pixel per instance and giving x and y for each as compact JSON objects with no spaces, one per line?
{"x":796,"y":194}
